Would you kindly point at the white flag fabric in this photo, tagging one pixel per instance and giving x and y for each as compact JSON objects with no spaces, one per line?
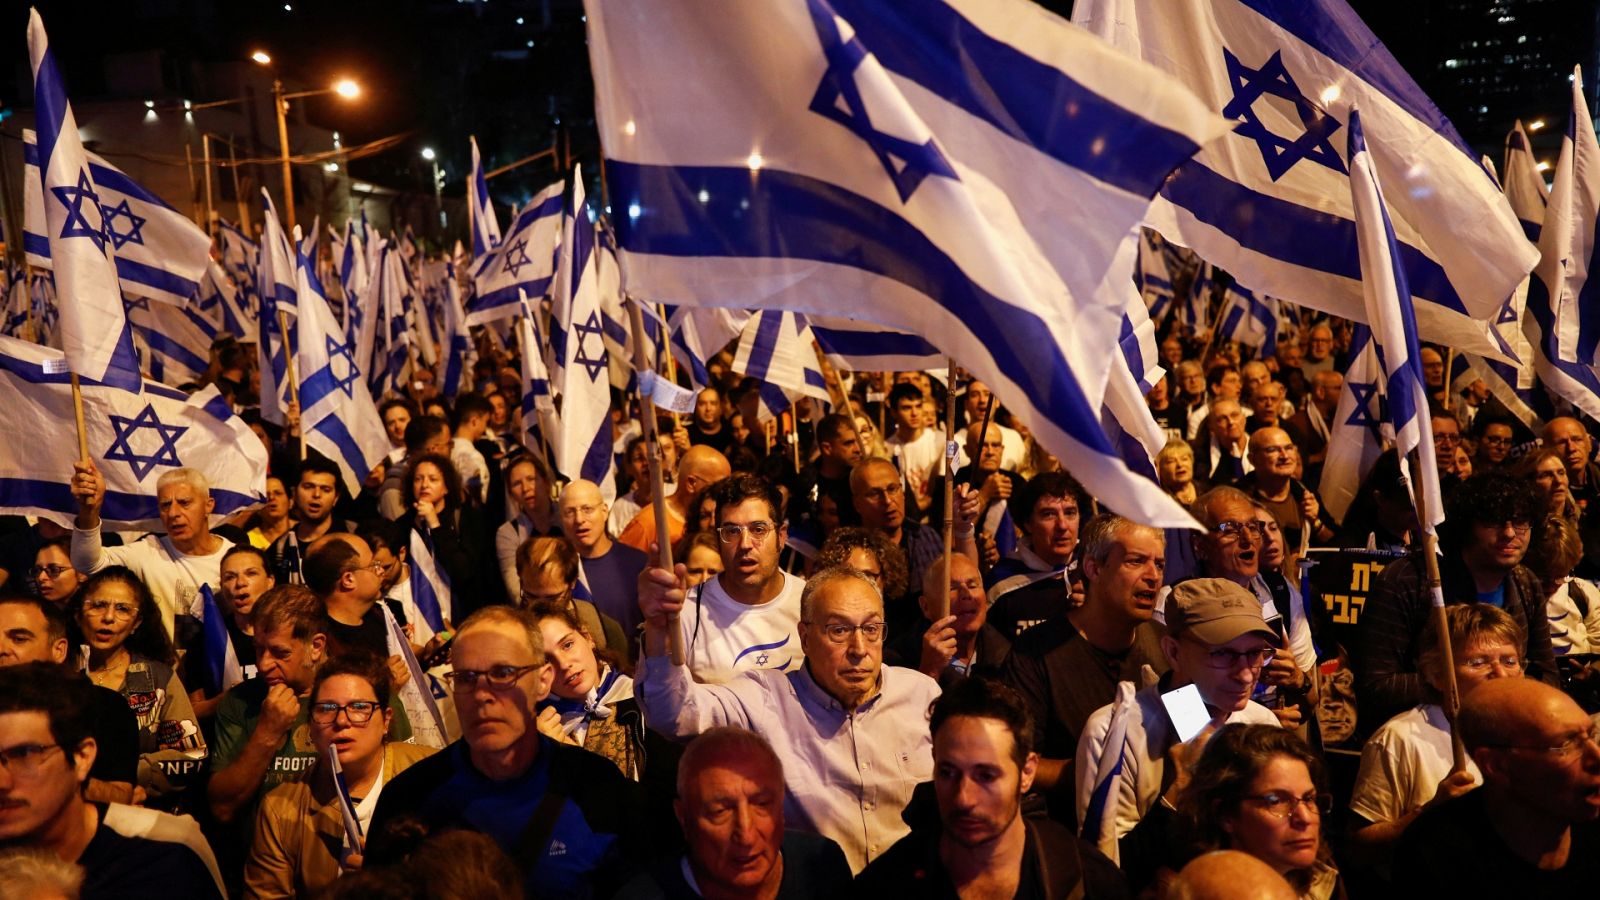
{"x":777,"y":348}
{"x":865,"y":347}
{"x":485,"y":227}
{"x":93,"y":330}
{"x":275,"y":263}
{"x":583,"y":444}
{"x":337,"y":414}
{"x":1394,"y":328}
{"x":1355,"y":436}
{"x":699,"y":333}
{"x":460,"y":354}
{"x":919,"y":165}
{"x":134,"y":439}
{"x":1524,"y":186}
{"x":1270,"y":203}
{"x":524,"y":261}
{"x":176,"y":340}
{"x":538,"y":410}
{"x":160,"y":253}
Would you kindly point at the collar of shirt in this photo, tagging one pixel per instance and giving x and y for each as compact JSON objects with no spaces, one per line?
{"x":813,"y":695}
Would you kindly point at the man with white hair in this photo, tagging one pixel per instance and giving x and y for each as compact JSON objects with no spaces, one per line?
{"x":176,"y":565}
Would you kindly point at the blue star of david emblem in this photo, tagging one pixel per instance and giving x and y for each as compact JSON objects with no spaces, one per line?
{"x":118,"y":238}
{"x":1508,"y":315}
{"x":838,"y":98}
{"x":515,"y":257}
{"x":1366,"y":394}
{"x":122,"y":449}
{"x":761,"y":659}
{"x":337,"y":350}
{"x":1280,"y":154}
{"x":143,"y":303}
{"x":594,"y":365}
{"x":78,"y":224}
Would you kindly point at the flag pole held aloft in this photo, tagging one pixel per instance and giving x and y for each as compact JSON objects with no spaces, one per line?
{"x":658,"y":499}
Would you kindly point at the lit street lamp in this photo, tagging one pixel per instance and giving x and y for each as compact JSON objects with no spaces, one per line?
{"x":280,"y":103}
{"x":438,"y":186}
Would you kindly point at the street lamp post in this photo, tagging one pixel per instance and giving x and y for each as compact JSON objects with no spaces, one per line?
{"x":438,"y":187}
{"x":280,"y":104}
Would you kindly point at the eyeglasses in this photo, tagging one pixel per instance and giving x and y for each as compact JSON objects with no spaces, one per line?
{"x":733,"y":534}
{"x":25,"y":759}
{"x":838,"y":632}
{"x":1483,"y":663}
{"x":1228,"y":660}
{"x":498,"y":678}
{"x":573,"y":513}
{"x":359,"y":712}
{"x":1569,"y":747}
{"x":53,"y":572}
{"x":1233,"y":531}
{"x":120,"y":611}
{"x":1282,"y":804}
{"x":1497,"y":441}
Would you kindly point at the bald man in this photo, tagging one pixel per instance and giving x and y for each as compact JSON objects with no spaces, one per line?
{"x":988,"y":474}
{"x":1229,"y":875}
{"x":1533,"y":829}
{"x":700,"y":467}
{"x":610,"y":569}
{"x":1272,"y":483}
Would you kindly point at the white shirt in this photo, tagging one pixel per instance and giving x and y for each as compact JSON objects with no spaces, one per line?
{"x":1403,"y":763}
{"x":919,"y":459}
{"x":1571,"y":631}
{"x":624,"y":508}
{"x":174,"y":578}
{"x":723,"y":637}
{"x":471,"y":466}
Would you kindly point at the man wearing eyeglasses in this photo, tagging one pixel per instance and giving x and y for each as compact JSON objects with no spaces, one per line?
{"x":610,"y":568}
{"x":1217,"y":641}
{"x":47,"y":748}
{"x":339,"y":570}
{"x":851,"y":731}
{"x":1293,"y":504}
{"x":569,"y":818}
{"x":744,"y":618}
{"x":1533,"y":828}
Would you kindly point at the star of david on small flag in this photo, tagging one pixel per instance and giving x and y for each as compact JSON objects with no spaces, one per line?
{"x":839,"y":98}
{"x":1362,"y":416}
{"x":594,"y":365}
{"x":78,"y":224}
{"x":1280,"y":154}
{"x":118,"y":238}
{"x":338,"y":351}
{"x":516,"y":256}
{"x":122,"y":446}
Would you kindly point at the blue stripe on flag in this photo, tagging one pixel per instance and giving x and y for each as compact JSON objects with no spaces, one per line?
{"x":119,"y":506}
{"x":806,"y":218}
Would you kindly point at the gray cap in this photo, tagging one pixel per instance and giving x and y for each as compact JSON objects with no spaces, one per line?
{"x":1215,"y":611}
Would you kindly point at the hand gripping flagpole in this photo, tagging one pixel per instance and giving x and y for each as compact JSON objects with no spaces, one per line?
{"x":647,"y":416}
{"x":949,"y":482}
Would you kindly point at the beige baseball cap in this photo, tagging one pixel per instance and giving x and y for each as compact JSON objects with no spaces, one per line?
{"x":1215,"y":611}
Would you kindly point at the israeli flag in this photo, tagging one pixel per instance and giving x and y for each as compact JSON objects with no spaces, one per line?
{"x":917,"y":165}
{"x":337,"y":414}
{"x":430,"y":586}
{"x":1249,"y":319}
{"x":539,"y":421}
{"x":777,"y":349}
{"x":1523,"y":185}
{"x":392,"y":345}
{"x":485,"y":227}
{"x":1355,"y":436}
{"x":1394,"y":327}
{"x":17,"y":300}
{"x":160,"y":253}
{"x":220,"y":669}
{"x":1559,"y":299}
{"x":1152,"y":277}
{"x":275,"y":263}
{"x":356,"y":282}
{"x":1270,"y":203}
{"x":275,"y":281}
{"x":1098,"y":808}
{"x":93,"y":329}
{"x":1196,"y":310}
{"x":224,"y":304}
{"x":134,"y":438}
{"x":865,"y":347}
{"x":699,"y":333}
{"x":524,"y":261}
{"x":460,"y":354}
{"x":177,"y":340}
{"x":583,"y":444}
{"x":239,"y":258}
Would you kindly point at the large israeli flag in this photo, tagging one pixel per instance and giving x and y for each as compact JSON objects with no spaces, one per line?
{"x":1523,"y":185}
{"x":485,"y":227}
{"x":134,"y":439}
{"x":1394,"y":327}
{"x":1560,"y":288}
{"x":963,"y":170}
{"x":337,"y":414}
{"x":777,"y":349}
{"x":160,"y":253}
{"x":583,"y":443}
{"x":524,"y":261}
{"x":93,"y":329}
{"x":1270,"y":203}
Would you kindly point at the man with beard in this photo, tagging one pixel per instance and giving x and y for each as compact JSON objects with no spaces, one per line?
{"x":1068,"y":667}
{"x":1487,"y":528}
{"x":316,"y":493}
{"x":981,"y":845}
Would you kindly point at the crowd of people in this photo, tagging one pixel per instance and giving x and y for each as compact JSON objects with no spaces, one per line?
{"x":475,"y":678}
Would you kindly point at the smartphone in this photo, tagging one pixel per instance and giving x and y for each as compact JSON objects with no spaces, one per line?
{"x":1186,"y":710}
{"x":439,"y":656}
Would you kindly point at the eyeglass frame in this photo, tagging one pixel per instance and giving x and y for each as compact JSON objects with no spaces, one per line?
{"x":33,"y":759}
{"x":473,"y":677}
{"x":53,"y":571}
{"x":100,"y":607}
{"x":849,"y":631}
{"x":738,"y":531}
{"x":345,"y":708}
{"x":1319,"y":802}
{"x":1228,"y":530}
{"x":1235,"y":658}
{"x":1566,"y":748}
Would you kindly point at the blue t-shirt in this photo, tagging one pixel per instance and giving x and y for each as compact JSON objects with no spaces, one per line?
{"x":1496,"y":597}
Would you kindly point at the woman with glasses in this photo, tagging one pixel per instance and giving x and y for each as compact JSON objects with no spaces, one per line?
{"x":53,"y":576}
{"x":1260,"y":790}
{"x":1406,"y":764}
{"x":127,"y":650}
{"x":300,"y":844}
{"x":1495,"y":435}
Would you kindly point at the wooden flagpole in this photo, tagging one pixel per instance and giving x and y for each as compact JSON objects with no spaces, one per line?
{"x":1430,"y":560}
{"x":294,"y":381}
{"x":949,"y":483}
{"x":658,"y":500}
